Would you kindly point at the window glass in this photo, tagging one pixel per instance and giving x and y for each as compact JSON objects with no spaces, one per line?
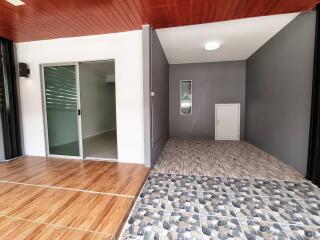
{"x":185,"y":97}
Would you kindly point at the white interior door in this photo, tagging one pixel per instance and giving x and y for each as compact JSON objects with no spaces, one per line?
{"x":227,"y":121}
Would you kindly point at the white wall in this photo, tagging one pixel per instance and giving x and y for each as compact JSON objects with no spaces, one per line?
{"x":97,"y":101}
{"x":125,"y":48}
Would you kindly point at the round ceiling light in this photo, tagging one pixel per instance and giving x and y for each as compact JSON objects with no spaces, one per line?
{"x":210,"y":46}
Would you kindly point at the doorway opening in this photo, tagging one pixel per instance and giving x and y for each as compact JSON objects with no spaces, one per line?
{"x":98,"y":104}
{"x":80,"y":107}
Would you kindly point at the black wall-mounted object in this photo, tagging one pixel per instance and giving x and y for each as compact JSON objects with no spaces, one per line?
{"x":313,"y":170}
{"x":24,"y":70}
{"x":9,"y":108}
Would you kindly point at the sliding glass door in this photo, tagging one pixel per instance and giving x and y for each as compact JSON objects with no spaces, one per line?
{"x":61,"y":95}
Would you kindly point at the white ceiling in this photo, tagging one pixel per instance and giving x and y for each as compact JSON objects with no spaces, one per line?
{"x":239,"y":39}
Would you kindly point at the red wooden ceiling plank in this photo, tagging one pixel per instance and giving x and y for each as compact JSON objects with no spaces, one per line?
{"x":43,"y":19}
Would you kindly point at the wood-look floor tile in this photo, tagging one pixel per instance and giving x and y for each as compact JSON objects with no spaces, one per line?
{"x":27,"y":230}
{"x":82,"y":210}
{"x":117,"y":178}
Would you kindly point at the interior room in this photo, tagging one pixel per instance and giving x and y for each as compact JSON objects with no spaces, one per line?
{"x":245,"y":89}
{"x":161,"y":120}
{"x":234,"y":131}
{"x":97,"y":94}
{"x":82,"y":96}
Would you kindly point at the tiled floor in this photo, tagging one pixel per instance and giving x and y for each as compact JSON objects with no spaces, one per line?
{"x":203,"y":189}
{"x":174,"y":206}
{"x":221,"y":158}
{"x":51,"y":198}
{"x":101,"y":146}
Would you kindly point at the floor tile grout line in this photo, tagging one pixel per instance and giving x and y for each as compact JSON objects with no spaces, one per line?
{"x":68,"y":189}
{"x":134,"y":206}
{"x":228,"y":217}
{"x":218,"y":216}
{"x":278,"y":222}
{"x":268,"y":196}
{"x":285,"y":232}
{"x":270,"y":208}
{"x":54,"y":225}
{"x":234,"y":193}
{"x":308,"y":213}
{"x":165,"y":210}
{"x":237,"y":217}
{"x":164,"y":215}
{"x":148,"y":181}
{"x":304,"y":208}
{"x":252,"y":188}
{"x":271,"y":222}
{"x":200,"y":221}
{"x":267,"y":179}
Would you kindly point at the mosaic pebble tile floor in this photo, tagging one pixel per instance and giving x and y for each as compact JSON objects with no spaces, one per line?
{"x":174,"y":206}
{"x":237,"y":159}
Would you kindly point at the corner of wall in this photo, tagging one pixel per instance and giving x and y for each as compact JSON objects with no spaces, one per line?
{"x":146,"y":93}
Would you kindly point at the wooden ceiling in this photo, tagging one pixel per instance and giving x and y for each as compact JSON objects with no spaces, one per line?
{"x":48,"y":19}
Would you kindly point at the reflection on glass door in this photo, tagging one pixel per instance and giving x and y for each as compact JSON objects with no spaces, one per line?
{"x":61,"y":103}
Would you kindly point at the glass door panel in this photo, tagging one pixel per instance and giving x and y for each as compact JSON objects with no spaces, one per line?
{"x":61,"y":97}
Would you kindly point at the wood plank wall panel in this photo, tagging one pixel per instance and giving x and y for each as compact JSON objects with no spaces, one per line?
{"x":47,"y":19}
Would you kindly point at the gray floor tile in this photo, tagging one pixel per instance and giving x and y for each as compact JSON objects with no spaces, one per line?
{"x":221,"y":228}
{"x":215,"y":204}
{"x":182,"y":200}
{"x":269,"y":188}
{"x":188,"y":182}
{"x":180,"y":225}
{"x":159,"y":180}
{"x":154,"y":197}
{"x":312,"y":206}
{"x":144,"y":223}
{"x":235,"y":185}
{"x":251,"y":207}
{"x":173,"y":206}
{"x":214,"y":184}
{"x":262,"y":230}
{"x":297,"y":232}
{"x":301,"y":190}
{"x":289,"y":211}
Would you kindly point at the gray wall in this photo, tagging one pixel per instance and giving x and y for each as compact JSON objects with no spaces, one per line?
{"x":278,"y":93}
{"x":212,"y":83}
{"x":160,"y":102}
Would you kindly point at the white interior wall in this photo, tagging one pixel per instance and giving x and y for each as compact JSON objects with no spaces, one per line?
{"x":125,"y":48}
{"x":97,"y":101}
